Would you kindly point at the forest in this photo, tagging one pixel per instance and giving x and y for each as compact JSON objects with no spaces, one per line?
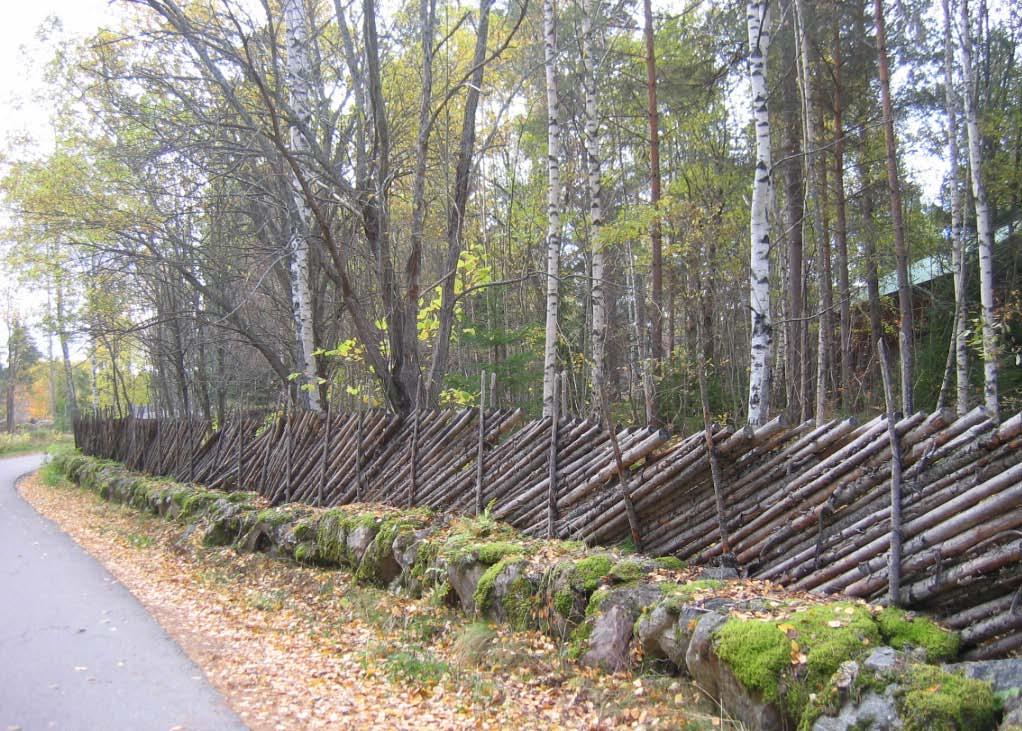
{"x":688,"y":211}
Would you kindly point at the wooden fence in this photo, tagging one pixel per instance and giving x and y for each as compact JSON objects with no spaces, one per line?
{"x":807,"y":506}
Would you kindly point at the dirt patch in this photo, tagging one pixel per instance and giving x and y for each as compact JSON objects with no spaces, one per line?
{"x":293,"y":647}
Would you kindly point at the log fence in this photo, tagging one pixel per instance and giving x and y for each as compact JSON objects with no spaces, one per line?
{"x":807,"y":506}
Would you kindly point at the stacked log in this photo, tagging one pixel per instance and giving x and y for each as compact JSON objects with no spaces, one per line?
{"x":806,"y":506}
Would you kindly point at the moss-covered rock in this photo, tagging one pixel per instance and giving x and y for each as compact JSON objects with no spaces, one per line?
{"x":932,"y":699}
{"x":903,"y":630}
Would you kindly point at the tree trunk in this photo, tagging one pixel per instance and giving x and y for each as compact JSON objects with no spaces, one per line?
{"x":841,"y":226}
{"x":759,"y":229}
{"x":593,"y":170}
{"x":814,"y":187}
{"x":984,"y":229}
{"x":456,"y":213}
{"x":894,"y":190}
{"x":553,"y":235}
{"x":959,"y":348}
{"x":299,"y":79}
{"x":655,"y":233}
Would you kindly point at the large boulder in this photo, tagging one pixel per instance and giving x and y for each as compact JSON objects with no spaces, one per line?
{"x":1005,"y":677}
{"x":613,"y":623}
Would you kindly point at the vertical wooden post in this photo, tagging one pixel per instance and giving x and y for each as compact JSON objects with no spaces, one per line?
{"x":191,"y":449}
{"x":481,"y":444}
{"x":321,"y":496}
{"x":493,"y":389}
{"x":563,"y":386}
{"x":894,"y":558}
{"x":287,"y":451}
{"x":241,"y":450}
{"x":358,"y":458}
{"x":622,"y":476}
{"x":413,"y":455}
{"x":551,"y":510}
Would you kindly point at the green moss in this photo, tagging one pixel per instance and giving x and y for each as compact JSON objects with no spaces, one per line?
{"x":758,"y":653}
{"x":381,"y":546}
{"x":671,"y":563}
{"x":481,"y":595}
{"x":678,"y":595}
{"x":564,"y":602}
{"x":277,"y":517}
{"x":305,"y":530}
{"x":932,"y":699}
{"x":198,"y":502}
{"x":901,"y":631}
{"x":587,"y":573}
{"x":492,"y":553}
{"x":518,"y":603}
{"x":306,"y":552}
{"x":425,"y":569}
{"x":626,"y":571}
{"x":331,"y":537}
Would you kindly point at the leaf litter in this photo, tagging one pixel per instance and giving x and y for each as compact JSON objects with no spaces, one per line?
{"x":295,"y":647}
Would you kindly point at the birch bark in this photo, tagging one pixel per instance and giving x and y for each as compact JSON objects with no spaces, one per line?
{"x":553,"y":236}
{"x":960,"y":330}
{"x":593,"y":171}
{"x":984,"y":230}
{"x":759,"y":278}
{"x":299,"y":78}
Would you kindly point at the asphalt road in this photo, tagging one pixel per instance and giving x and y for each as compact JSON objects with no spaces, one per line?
{"x":77,"y":650}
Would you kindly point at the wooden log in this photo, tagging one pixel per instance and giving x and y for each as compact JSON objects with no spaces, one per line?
{"x":979,"y":612}
{"x":941,"y":513}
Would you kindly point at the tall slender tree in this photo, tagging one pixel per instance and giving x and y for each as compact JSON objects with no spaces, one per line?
{"x":984,"y":226}
{"x":553,"y":233}
{"x":758,"y":20}
{"x":595,"y":185}
{"x":897,"y":219}
{"x":299,"y":83}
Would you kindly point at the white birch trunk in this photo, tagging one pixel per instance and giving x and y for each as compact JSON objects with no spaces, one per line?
{"x":984,"y":230}
{"x":299,"y":76}
{"x":960,"y":333}
{"x":759,"y":277}
{"x":553,"y":236}
{"x":593,"y":165}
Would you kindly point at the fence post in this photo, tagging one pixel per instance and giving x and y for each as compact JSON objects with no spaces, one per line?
{"x":287,"y":451}
{"x":358,"y":458}
{"x":241,"y":449}
{"x":321,"y":496}
{"x":481,"y":444}
{"x":413,"y":456}
{"x":551,"y":492}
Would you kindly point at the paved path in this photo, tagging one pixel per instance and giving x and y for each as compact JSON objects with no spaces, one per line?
{"x":77,"y":650}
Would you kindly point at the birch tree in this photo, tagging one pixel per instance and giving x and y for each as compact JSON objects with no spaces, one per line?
{"x":984,"y":228}
{"x":958,"y":355}
{"x":758,"y":16}
{"x":593,"y":173}
{"x":553,"y":235}
{"x":299,"y":80}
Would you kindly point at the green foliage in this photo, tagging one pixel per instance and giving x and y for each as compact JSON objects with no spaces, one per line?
{"x":34,"y":440}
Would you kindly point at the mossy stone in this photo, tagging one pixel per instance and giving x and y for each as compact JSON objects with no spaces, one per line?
{"x":901,"y":630}
{"x":932,"y":699}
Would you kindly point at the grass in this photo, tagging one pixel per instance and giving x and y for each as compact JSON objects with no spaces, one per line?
{"x":36,"y":440}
